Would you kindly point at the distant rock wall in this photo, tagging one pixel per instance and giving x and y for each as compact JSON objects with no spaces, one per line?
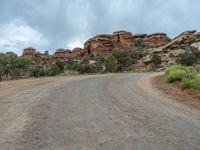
{"x":32,"y":53}
{"x":105,"y":44}
{"x":123,"y":40}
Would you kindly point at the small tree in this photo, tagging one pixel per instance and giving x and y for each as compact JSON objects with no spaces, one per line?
{"x":186,"y":59}
{"x":111,"y":64}
{"x":156,"y":60}
{"x":60,"y":65}
{"x":124,"y":59}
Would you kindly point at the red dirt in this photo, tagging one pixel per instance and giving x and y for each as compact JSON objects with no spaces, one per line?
{"x":189,"y":97}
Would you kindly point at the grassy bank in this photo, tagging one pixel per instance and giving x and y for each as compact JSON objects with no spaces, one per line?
{"x":189,"y":77}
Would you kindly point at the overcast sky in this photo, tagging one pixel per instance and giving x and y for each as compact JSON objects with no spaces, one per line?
{"x":52,"y":24}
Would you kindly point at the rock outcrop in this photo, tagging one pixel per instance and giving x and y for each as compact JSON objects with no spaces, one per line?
{"x":44,"y":55}
{"x":77,"y":52}
{"x":184,"y":40}
{"x":66,"y":53}
{"x":122,"y":40}
{"x":61,"y":54}
{"x":104,"y":44}
{"x":187,"y":41}
{"x":196,"y":45}
{"x":29,"y":52}
{"x":32,"y":53}
{"x":99,"y":45}
{"x":151,"y":41}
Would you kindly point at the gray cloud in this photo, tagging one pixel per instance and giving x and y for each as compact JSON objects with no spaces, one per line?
{"x":50,"y":24}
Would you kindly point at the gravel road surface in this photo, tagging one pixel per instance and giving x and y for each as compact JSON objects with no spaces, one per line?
{"x":97,"y":112}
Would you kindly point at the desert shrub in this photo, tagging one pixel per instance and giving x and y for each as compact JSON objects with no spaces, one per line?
{"x":191,"y":83}
{"x":60,"y":65}
{"x":41,"y":71}
{"x":87,"y":68}
{"x":136,"y":54}
{"x":186,"y":83}
{"x":191,"y":40}
{"x":71,"y":64}
{"x":197,"y":67}
{"x":126,"y":58}
{"x":100,"y":63}
{"x":179,"y":72}
{"x":11,"y":66}
{"x":111,"y":64}
{"x":123,"y":58}
{"x":196,"y":83}
{"x":140,"y":43}
{"x":156,"y":60}
{"x":71,"y":73}
{"x":53,"y":70}
{"x":188,"y":76}
{"x":186,"y":59}
{"x":176,"y":75}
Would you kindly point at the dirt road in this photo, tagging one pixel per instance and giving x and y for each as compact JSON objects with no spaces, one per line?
{"x":100,"y":112}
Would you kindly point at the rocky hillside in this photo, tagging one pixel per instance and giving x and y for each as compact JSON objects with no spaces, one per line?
{"x":105,"y":44}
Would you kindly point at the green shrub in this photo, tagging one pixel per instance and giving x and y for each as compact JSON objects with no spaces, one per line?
{"x":12,"y":67}
{"x":71,"y":73}
{"x":140,"y":43}
{"x":156,"y":60}
{"x":123,"y":58}
{"x":176,"y":75}
{"x":186,"y":59}
{"x":179,"y":72}
{"x":172,"y":68}
{"x":60,"y":65}
{"x":126,"y":58}
{"x":87,"y":68}
{"x":186,"y":83}
{"x":191,"y":83}
{"x":189,"y":76}
{"x":111,"y":64}
{"x":196,"y":82}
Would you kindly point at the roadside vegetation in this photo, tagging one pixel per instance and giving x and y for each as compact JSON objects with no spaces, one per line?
{"x":14,"y":67}
{"x":189,"y":77}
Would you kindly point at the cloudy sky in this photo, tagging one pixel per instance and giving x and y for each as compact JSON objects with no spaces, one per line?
{"x":52,"y":24}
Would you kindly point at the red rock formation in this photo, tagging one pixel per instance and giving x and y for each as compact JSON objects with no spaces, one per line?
{"x":32,"y":53}
{"x":157,"y":40}
{"x":153,"y":40}
{"x":29,"y":52}
{"x":44,"y":55}
{"x":184,"y":40}
{"x":61,"y":54}
{"x":99,"y":45}
{"x":122,"y":40}
{"x":77,"y":52}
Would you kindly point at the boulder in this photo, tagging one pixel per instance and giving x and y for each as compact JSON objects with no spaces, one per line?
{"x":196,"y":45}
